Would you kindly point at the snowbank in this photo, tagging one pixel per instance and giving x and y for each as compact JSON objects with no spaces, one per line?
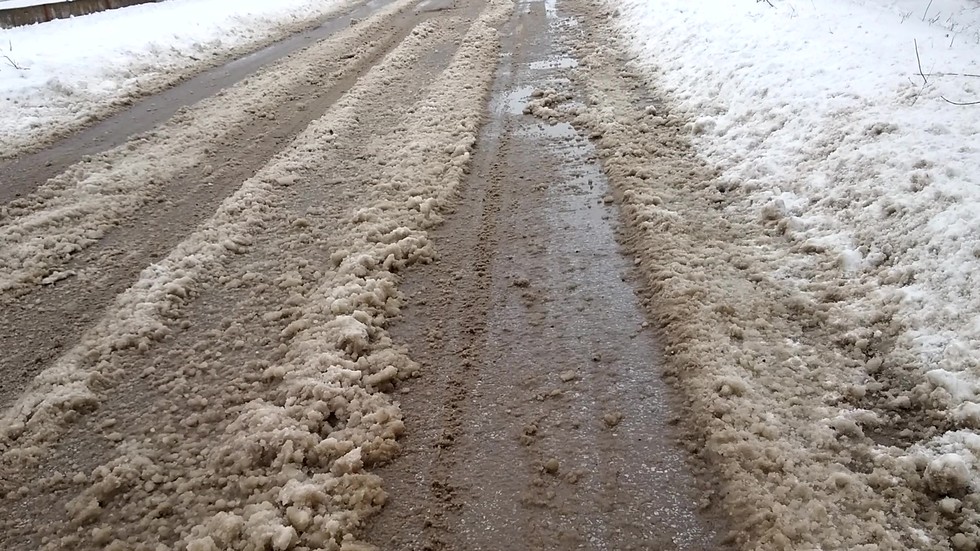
{"x":61,"y":74}
{"x":815,"y":259}
{"x":818,"y":117}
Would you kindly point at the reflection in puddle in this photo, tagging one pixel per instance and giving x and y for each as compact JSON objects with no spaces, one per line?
{"x":560,"y":131}
{"x":551,"y":9}
{"x":513,"y":102}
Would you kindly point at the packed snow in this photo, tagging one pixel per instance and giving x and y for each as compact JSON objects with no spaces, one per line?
{"x":61,"y":74}
{"x":845,"y":140}
{"x":253,"y":446}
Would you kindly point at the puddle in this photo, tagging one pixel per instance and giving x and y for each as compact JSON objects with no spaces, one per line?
{"x":551,"y":9}
{"x":428,"y":6}
{"x":573,"y":313}
{"x":513,"y":102}
{"x":583,"y":255}
{"x":557,"y":131}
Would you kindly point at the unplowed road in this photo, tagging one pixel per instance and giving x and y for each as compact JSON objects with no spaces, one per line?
{"x":363,"y":288}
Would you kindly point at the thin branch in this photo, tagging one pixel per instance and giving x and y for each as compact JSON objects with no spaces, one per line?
{"x":13,"y":64}
{"x":919,"y":62}
{"x":971,"y":75}
{"x":927,"y":11}
{"x":960,"y":102}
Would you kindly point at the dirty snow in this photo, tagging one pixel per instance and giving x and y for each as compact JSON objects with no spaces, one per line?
{"x":58,"y":75}
{"x":818,"y":116}
{"x":263,"y":454}
{"x":803,"y":203}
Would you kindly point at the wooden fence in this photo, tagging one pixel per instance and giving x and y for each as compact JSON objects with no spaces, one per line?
{"x":28,"y":15}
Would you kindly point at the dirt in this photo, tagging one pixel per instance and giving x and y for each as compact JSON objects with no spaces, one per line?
{"x":541,"y":413}
{"x":370,"y":295}
{"x":793,"y":396}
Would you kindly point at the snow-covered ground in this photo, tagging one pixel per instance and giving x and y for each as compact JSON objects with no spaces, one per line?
{"x":843,"y":127}
{"x":58,"y":75}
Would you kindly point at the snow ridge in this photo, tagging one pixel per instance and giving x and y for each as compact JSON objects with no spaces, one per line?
{"x":60,"y":75}
{"x":291,"y":467}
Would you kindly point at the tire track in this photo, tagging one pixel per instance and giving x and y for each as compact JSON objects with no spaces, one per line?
{"x":234,"y":397}
{"x":539,"y":420}
{"x":38,"y":323}
{"x":52,"y":153}
{"x":755,"y":356}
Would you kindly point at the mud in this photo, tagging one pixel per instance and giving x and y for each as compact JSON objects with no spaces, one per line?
{"x":112,"y":125}
{"x":778,"y":371}
{"x":540,"y":414}
{"x":371,"y":295}
{"x":234,"y":396}
{"x":37,"y":326}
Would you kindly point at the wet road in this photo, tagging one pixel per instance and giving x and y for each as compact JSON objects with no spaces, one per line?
{"x":367,"y":290}
{"x":542,"y":416}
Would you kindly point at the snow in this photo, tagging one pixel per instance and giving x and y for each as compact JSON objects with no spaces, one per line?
{"x":835,"y":131}
{"x":289,"y":467}
{"x":57,"y":75}
{"x":825,"y":105}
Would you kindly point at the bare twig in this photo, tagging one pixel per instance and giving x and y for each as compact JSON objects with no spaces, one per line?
{"x":970,"y":75}
{"x":918,"y":61}
{"x":925,"y":80}
{"x":927,"y":11}
{"x":13,"y":64}
{"x":960,"y":102}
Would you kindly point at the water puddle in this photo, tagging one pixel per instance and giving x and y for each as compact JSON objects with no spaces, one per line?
{"x":566,"y":333}
{"x":513,"y":102}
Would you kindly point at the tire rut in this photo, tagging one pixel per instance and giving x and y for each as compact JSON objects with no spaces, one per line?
{"x":165,"y":409}
{"x":540,"y":419}
{"x":48,"y":157}
{"x":65,"y":308}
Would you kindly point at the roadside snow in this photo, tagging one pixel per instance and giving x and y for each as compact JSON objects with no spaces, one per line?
{"x":862,"y":174}
{"x":58,"y":75}
{"x":820,"y":115}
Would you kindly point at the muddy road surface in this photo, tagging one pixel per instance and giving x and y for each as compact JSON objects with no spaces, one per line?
{"x":370,"y":294}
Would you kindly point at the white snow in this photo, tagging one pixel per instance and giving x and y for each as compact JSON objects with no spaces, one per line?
{"x":59,"y":74}
{"x":817,"y":113}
